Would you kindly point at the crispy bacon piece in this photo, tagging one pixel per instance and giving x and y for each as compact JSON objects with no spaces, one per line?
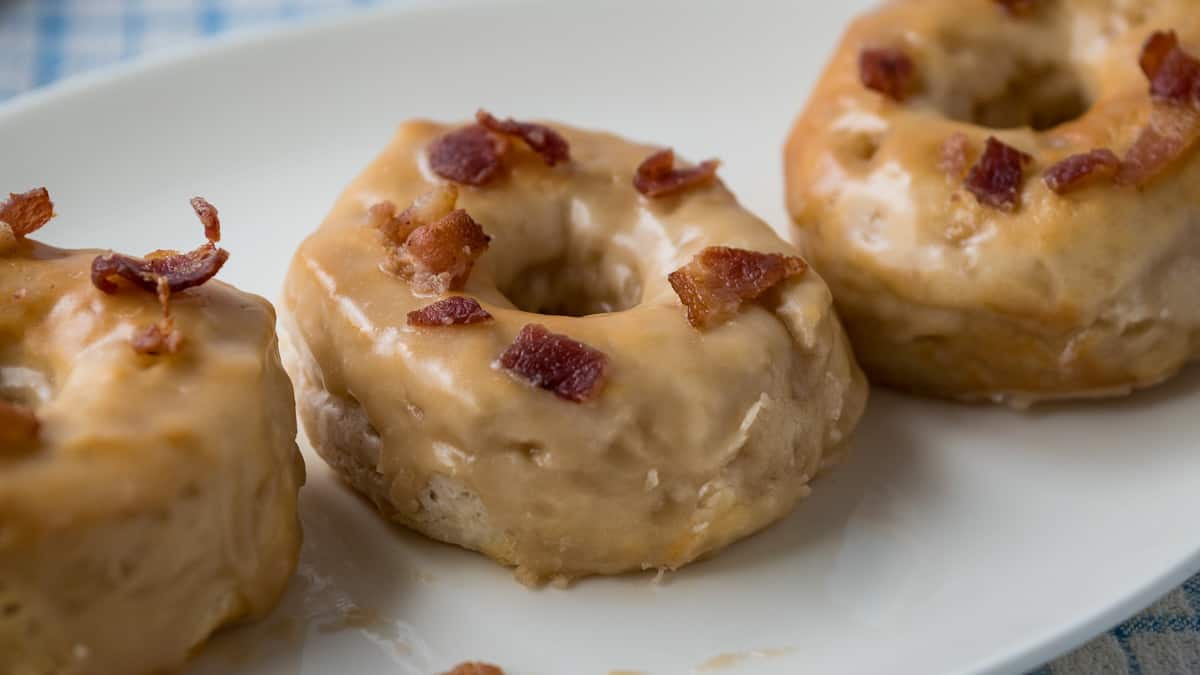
{"x":208,"y":217}
{"x":474,"y":668}
{"x":27,"y":212}
{"x":1173,"y":73}
{"x":439,"y":257}
{"x":452,"y":311}
{"x":718,"y":280}
{"x":160,"y":337}
{"x":888,"y":71}
{"x":540,"y":138}
{"x":657,"y":176}
{"x":1077,"y":171}
{"x":955,"y":155}
{"x":1171,"y":131}
{"x":18,"y":427}
{"x":996,"y":178}
{"x":470,"y":155}
{"x":428,"y":208}
{"x":570,"y":369}
{"x":1019,"y":7}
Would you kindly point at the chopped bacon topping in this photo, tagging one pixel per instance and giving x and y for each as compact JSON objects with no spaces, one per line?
{"x":718,"y":280}
{"x":1019,"y":7}
{"x":1081,"y":170}
{"x":888,"y":71}
{"x":1173,"y":73}
{"x":570,"y":369}
{"x":657,"y":176}
{"x":470,"y":155}
{"x":18,"y":427}
{"x":996,"y":178}
{"x":208,"y":217}
{"x":1171,"y":131}
{"x":540,"y":138}
{"x":440,"y":256}
{"x":474,"y":668}
{"x":27,"y":212}
{"x":453,"y":311}
{"x":428,"y":208}
{"x":160,"y":337}
{"x":180,"y":270}
{"x":956,"y":153}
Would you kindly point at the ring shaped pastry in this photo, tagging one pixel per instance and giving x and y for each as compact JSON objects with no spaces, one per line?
{"x":553,"y":407}
{"x":148,"y":464}
{"x":1002,"y":195}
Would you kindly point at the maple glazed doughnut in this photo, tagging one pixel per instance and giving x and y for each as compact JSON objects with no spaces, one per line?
{"x":148,"y":464}
{"x":1002,"y":195}
{"x":507,"y":363}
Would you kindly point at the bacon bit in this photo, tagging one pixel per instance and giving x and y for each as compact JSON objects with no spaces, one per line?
{"x":540,"y":138}
{"x":208,"y":217}
{"x":19,"y":427}
{"x":27,"y":212}
{"x":1019,"y":7}
{"x":1173,"y":73}
{"x":470,"y":155}
{"x":888,"y":71}
{"x":657,"y":176}
{"x":453,"y":311}
{"x":718,"y":280}
{"x":161,"y":336}
{"x":956,"y":153}
{"x":428,"y":208}
{"x":1081,"y":170}
{"x":995,"y":180}
{"x":439,"y":257}
{"x":570,"y":369}
{"x":474,"y":668}
{"x":1171,"y":131}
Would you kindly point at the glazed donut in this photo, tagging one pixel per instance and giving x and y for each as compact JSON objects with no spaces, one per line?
{"x":507,"y":364}
{"x":1002,"y":195}
{"x":148,"y":464}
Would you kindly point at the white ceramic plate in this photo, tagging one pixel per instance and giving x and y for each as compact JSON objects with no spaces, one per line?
{"x":956,"y":540}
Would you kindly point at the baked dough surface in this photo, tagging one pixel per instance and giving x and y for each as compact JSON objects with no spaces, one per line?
{"x":160,"y":502}
{"x":1086,"y":294}
{"x":696,"y":439}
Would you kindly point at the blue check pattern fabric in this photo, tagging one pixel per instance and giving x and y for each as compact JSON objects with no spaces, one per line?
{"x":43,"y":41}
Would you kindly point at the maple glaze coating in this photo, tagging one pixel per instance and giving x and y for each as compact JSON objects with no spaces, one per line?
{"x":158,"y":501}
{"x":1084,"y":294}
{"x":691,"y":440}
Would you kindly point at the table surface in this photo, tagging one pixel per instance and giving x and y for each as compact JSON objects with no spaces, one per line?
{"x":42,"y":41}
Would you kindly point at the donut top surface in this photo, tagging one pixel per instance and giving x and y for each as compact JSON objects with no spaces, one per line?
{"x":984,"y":155}
{"x":118,"y":430}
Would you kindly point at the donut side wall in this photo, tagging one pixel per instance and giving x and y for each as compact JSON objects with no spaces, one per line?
{"x":1068,"y":295}
{"x":161,"y":502}
{"x":694,"y":440}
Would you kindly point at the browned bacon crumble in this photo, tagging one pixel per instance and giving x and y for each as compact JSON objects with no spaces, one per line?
{"x":955,"y":155}
{"x":160,"y":337}
{"x":470,"y":155}
{"x":996,"y":178}
{"x":540,"y":138}
{"x":1019,"y":7}
{"x":180,"y":270}
{"x":208,"y":217}
{"x":474,"y":668}
{"x":657,"y":176}
{"x":1173,"y":73}
{"x":888,"y":71}
{"x":718,"y":280}
{"x":428,"y":208}
{"x":1171,"y":131}
{"x":27,"y":212}
{"x":1078,"y":171}
{"x":18,"y":427}
{"x":570,"y":369}
{"x":453,"y":311}
{"x":439,"y":257}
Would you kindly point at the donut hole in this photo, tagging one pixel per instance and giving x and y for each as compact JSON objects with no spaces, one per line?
{"x":575,"y":284}
{"x":997,"y":85}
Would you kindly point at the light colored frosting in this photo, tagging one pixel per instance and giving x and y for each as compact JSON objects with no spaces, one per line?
{"x":696,"y":439}
{"x":1088,"y":293}
{"x":160,"y":502}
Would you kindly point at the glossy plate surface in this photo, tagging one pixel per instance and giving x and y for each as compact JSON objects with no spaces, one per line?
{"x":955,"y":540}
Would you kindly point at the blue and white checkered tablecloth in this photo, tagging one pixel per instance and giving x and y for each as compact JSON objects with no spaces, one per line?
{"x":42,"y":41}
